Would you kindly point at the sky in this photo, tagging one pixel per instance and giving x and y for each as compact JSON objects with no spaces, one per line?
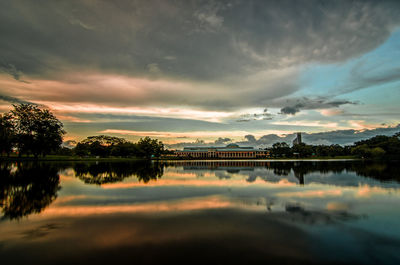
{"x":206,"y":72}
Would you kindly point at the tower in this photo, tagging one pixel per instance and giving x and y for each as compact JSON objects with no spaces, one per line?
{"x":297,"y":140}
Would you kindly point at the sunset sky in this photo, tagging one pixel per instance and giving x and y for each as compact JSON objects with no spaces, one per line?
{"x":213,"y":71}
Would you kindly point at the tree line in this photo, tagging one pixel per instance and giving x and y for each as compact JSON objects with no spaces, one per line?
{"x":30,"y":130}
{"x":377,"y":147}
{"x":105,"y":146}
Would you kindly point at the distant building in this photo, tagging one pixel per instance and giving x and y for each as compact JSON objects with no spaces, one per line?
{"x":229,"y":151}
{"x":298,"y":139}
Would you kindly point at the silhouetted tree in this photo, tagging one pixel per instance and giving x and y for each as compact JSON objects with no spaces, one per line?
{"x":281,"y":150}
{"x":7,"y":134}
{"x":64,"y":151}
{"x":302,"y":149}
{"x":148,"y":147}
{"x":124,"y":149}
{"x":379,"y":146}
{"x":104,"y":140}
{"x":104,"y":145}
{"x":37,"y":131}
{"x":81,"y":149}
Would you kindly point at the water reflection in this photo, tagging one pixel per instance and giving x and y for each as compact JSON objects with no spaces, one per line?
{"x":102,"y":173}
{"x":198,"y":212}
{"x":27,"y":188}
{"x":299,"y":214}
{"x":301,"y":170}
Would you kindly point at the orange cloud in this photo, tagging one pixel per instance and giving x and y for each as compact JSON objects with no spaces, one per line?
{"x":205,"y":181}
{"x":337,"y":206}
{"x":312,"y":193}
{"x":174,"y":206}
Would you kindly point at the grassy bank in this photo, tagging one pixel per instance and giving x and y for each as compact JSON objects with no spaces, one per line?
{"x":68,"y":158}
{"x":267,"y":158}
{"x":121,"y":159}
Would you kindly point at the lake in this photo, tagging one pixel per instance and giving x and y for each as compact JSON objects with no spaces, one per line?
{"x":200,"y":212}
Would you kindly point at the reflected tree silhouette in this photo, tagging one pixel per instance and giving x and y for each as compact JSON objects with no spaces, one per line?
{"x":379,"y":170}
{"x":389,"y":171}
{"x":27,"y":188}
{"x":102,"y":173}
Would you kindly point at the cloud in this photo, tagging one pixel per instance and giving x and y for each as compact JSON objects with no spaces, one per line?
{"x":75,"y":21}
{"x":69,"y":144}
{"x":253,"y":60}
{"x":290,"y":110}
{"x":168,"y":134}
{"x":85,"y":87}
{"x":181,"y":145}
{"x":264,"y":115}
{"x":332,"y":112}
{"x":154,"y":68}
{"x":221,"y":141}
{"x":208,"y":18}
{"x":364,"y":78}
{"x":10,"y":69}
{"x":312,"y":103}
{"x":342,"y":137}
{"x":14,"y":100}
{"x":212,"y":61}
{"x":250,"y":138}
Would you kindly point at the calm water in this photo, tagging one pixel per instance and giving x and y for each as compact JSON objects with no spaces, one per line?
{"x":198,"y":212}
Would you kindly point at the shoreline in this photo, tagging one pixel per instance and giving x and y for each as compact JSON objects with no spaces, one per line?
{"x":127,"y":159}
{"x":268,"y":159}
{"x":71,"y":158}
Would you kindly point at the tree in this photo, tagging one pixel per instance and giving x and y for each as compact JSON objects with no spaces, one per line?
{"x":37,"y":131}
{"x":302,"y":149}
{"x":124,"y":149}
{"x":103,"y":145}
{"x":378,"y":147}
{"x":281,"y":150}
{"x":7,"y":134}
{"x":104,"y":140}
{"x":148,"y":147}
{"x":377,"y":152}
{"x":81,"y":149}
{"x":97,"y":149}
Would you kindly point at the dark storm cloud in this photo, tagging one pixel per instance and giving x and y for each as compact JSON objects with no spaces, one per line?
{"x":295,"y":105}
{"x":290,"y":110}
{"x":14,"y":100}
{"x":188,"y":39}
{"x":10,"y":69}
